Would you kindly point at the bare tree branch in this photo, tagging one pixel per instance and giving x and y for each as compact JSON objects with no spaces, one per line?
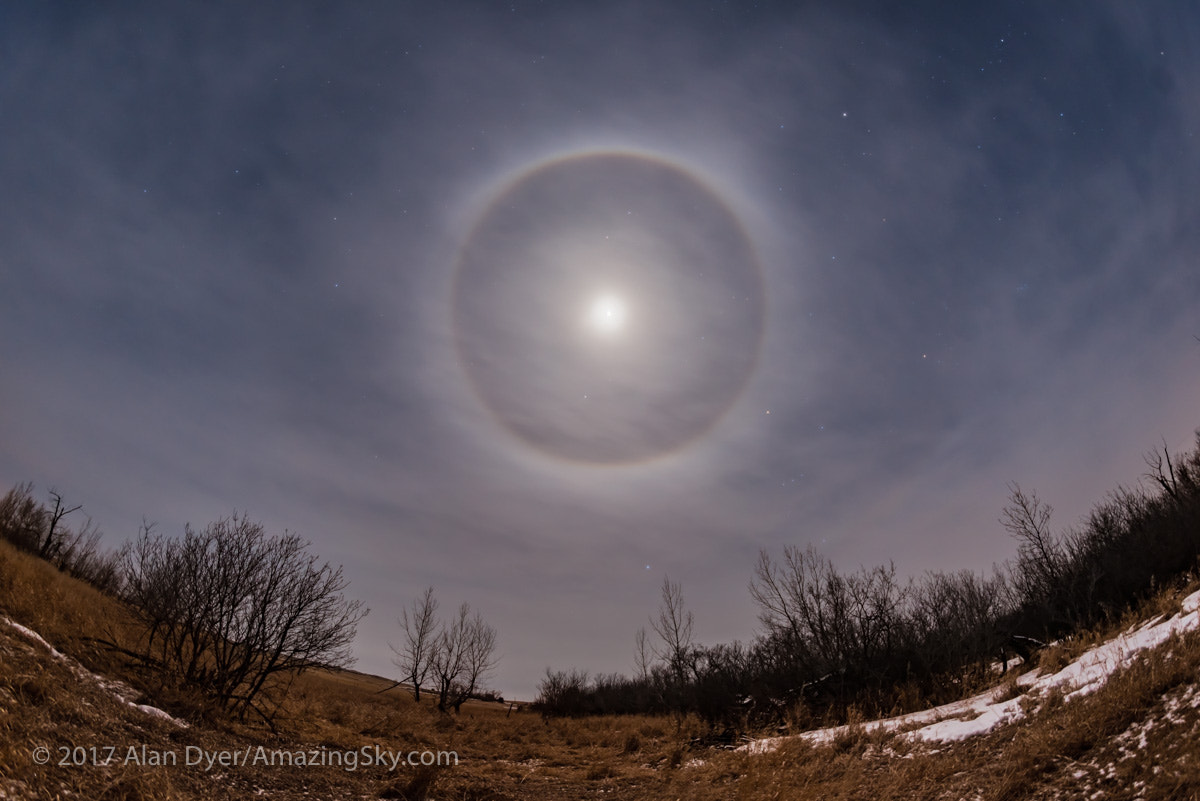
{"x":641,"y":654}
{"x":464,"y":654}
{"x":415,"y":656}
{"x":674,"y":628}
{"x":234,"y":612}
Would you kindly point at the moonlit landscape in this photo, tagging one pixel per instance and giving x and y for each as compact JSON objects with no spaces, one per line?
{"x":539,"y":303}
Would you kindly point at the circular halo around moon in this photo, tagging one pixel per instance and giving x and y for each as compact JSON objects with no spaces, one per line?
{"x":608,"y":307}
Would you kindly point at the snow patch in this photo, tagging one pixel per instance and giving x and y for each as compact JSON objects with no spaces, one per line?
{"x":33,"y":635}
{"x":118,"y":689}
{"x":984,"y":712}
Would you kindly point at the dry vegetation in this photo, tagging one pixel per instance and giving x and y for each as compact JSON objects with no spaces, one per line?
{"x":1135,"y":738}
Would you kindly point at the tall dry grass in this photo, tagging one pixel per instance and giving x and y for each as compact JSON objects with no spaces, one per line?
{"x":70,"y":614}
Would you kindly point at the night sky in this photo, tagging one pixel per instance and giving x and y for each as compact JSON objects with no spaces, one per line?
{"x":540,"y":302}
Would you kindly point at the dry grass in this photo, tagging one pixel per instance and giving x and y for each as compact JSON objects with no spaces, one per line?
{"x":1099,"y":744}
{"x":63,"y":610}
{"x":1075,"y":743}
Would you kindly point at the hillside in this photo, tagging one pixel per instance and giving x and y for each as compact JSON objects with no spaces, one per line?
{"x":1115,"y":715}
{"x":1024,"y":694}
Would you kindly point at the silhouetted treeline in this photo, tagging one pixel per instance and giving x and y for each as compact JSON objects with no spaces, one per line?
{"x":1133,"y":540}
{"x":831,"y":639}
{"x":41,"y":529}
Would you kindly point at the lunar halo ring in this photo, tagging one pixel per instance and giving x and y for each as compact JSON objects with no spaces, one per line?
{"x":607,"y":306}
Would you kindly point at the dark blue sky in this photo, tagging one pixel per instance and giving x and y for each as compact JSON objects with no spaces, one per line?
{"x":228,"y":239}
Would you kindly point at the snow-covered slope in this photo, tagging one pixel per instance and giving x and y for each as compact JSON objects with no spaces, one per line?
{"x":986,"y":711}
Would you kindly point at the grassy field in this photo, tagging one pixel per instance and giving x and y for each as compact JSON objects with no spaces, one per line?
{"x":1138,"y":737}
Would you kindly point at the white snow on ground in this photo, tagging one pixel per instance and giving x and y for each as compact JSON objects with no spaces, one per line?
{"x":33,"y":635}
{"x":118,"y":689}
{"x":984,"y":712}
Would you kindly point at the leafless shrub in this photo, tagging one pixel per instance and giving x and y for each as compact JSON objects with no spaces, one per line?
{"x":235,"y":613}
{"x":832,"y":624}
{"x":22,"y":519}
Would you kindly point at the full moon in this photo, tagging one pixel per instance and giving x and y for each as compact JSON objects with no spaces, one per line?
{"x":606,"y":315}
{"x":607,"y":307}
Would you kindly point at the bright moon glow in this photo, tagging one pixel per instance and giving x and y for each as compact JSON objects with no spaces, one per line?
{"x":606,"y":315}
{"x":628,"y":264}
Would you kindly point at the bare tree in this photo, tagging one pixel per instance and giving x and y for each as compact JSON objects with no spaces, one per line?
{"x":415,"y":656}
{"x":830,"y":626}
{"x":641,"y":654}
{"x":464,"y":654}
{"x":955,"y":619}
{"x":674,"y":628}
{"x":789,"y":597}
{"x":1163,"y":472}
{"x":1178,"y":478}
{"x":447,"y":657}
{"x":1040,"y":559}
{"x":479,"y":658}
{"x":53,"y":542}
